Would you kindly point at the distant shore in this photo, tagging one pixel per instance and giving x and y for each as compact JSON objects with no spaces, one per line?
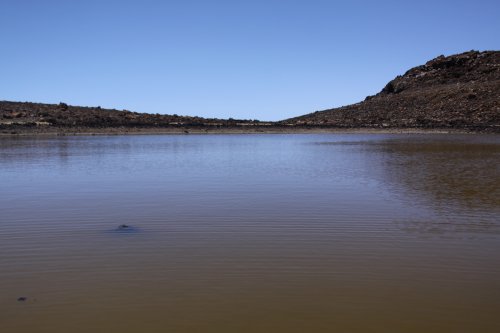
{"x":20,"y":131}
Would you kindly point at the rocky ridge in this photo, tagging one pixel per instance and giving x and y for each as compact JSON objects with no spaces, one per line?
{"x":62,"y":117}
{"x":460,"y":91}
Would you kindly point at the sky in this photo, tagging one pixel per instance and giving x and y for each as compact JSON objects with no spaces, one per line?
{"x":258,"y":59}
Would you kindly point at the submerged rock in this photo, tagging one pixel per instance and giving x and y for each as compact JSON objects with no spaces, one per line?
{"x":22,"y":299}
{"x":125,"y":228}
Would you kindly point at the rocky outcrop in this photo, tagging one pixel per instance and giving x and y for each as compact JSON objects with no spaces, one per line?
{"x":460,"y":91}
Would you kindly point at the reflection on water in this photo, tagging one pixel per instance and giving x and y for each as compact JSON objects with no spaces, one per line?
{"x":446,"y":172}
{"x":454,"y":175}
{"x":246,"y":233}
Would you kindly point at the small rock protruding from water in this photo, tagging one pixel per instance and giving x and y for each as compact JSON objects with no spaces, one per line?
{"x":126,"y":228}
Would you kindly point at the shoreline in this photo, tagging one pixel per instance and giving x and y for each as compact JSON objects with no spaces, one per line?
{"x":237,"y":130}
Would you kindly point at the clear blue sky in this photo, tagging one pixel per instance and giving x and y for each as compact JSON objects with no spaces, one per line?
{"x":259,"y":59}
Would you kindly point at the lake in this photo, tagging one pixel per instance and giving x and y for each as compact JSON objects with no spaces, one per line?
{"x":250,"y":233}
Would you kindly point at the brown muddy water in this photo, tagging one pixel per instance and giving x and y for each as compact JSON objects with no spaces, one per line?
{"x":250,"y":233}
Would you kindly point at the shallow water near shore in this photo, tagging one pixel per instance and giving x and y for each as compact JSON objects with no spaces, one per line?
{"x":250,"y":233}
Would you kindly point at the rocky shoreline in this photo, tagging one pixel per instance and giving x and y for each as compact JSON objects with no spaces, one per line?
{"x":235,"y":130}
{"x":447,"y":94}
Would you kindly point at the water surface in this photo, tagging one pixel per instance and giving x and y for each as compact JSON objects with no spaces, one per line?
{"x":250,"y":233}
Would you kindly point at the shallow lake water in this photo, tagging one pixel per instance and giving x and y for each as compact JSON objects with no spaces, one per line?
{"x":250,"y":233}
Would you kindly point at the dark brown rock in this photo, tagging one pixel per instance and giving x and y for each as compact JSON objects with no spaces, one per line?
{"x":460,"y":91}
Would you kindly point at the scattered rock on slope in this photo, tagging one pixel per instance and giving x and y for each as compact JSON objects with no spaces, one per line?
{"x":460,"y":91}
